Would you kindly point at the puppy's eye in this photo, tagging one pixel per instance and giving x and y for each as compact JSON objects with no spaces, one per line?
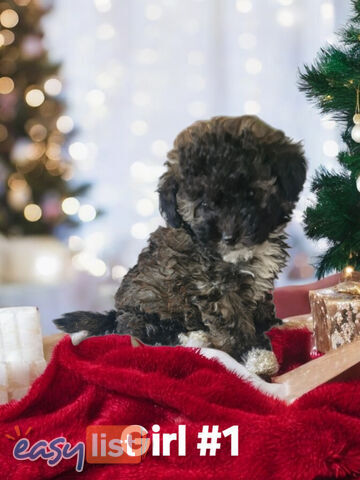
{"x":204,"y":205}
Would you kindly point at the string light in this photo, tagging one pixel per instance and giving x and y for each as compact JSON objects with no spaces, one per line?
{"x":252,"y":107}
{"x":244,"y":6}
{"x":6,"y":85}
{"x":253,"y":66}
{"x":32,"y":212}
{"x":34,"y":97}
{"x":87,"y":213}
{"x":9,"y":18}
{"x":97,"y":268}
{"x":53,"y":86}
{"x":48,"y":266}
{"x":78,"y":151}
{"x":139,"y":127}
{"x":103,"y":5}
{"x":140,"y":231}
{"x":6,"y":37}
{"x":147,"y":56}
{"x":327,"y":10}
{"x":285,"y":17}
{"x":38,"y":132}
{"x":159,"y":148}
{"x":95,"y":98}
{"x":70,"y":206}
{"x":348,"y":271}
{"x":197,"y":109}
{"x":75,"y":243}
{"x":153,"y":12}
{"x":145,"y":207}
{"x":105,"y":31}
{"x":65,"y":124}
{"x":330,"y":148}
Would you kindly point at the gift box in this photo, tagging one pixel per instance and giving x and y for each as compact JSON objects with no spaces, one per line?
{"x":336,"y":315}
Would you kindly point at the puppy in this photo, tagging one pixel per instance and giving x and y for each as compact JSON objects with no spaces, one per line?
{"x":205,"y":280}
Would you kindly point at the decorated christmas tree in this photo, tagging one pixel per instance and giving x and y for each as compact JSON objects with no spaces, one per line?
{"x":36,"y":195}
{"x":333,"y":83}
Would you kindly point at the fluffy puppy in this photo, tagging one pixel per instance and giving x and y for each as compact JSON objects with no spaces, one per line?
{"x":205,"y":279}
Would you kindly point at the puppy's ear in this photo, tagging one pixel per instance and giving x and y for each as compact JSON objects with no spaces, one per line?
{"x":168,"y":188}
{"x":290,"y":171}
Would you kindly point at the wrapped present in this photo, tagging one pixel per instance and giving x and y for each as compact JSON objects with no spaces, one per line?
{"x":21,"y":351}
{"x":336,"y":315}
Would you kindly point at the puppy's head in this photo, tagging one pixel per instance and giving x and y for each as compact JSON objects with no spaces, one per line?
{"x":232,"y":180}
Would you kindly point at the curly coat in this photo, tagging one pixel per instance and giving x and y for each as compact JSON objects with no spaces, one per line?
{"x":205,"y":279}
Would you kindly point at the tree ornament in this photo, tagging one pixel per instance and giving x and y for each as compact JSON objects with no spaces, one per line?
{"x":358,"y":183}
{"x":355,"y":132}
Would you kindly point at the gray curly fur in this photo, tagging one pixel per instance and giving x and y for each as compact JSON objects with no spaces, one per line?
{"x":228,"y":192}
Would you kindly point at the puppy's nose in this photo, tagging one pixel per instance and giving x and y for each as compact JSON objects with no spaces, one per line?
{"x":229,"y":239}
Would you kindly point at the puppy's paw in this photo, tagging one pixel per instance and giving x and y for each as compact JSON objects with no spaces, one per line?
{"x":261,"y":362}
{"x":78,"y":337}
{"x":196,"y":339}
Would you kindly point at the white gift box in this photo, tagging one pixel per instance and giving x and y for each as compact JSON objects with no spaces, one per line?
{"x":21,"y":351}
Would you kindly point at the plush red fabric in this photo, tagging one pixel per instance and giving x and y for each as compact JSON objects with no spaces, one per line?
{"x":106,"y":381}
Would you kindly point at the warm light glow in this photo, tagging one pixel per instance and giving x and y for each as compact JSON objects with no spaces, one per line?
{"x":139,"y":127}
{"x":9,"y":18}
{"x":47,"y":266}
{"x":285,"y":17}
{"x":38,"y":132}
{"x":145,"y":207}
{"x":327,"y":10}
{"x":105,"y":31}
{"x":153,"y":12}
{"x":95,"y":98}
{"x":348,"y":271}
{"x":103,"y":5}
{"x":6,"y":85}
{"x":139,"y":231}
{"x":53,"y":86}
{"x":147,"y":56}
{"x":34,"y":97}
{"x":78,"y":151}
{"x":247,"y":41}
{"x":243,"y":6}
{"x":253,"y":66}
{"x":70,"y":206}
{"x":7,"y":37}
{"x":97,"y":267}
{"x":197,"y":109}
{"x":118,"y":272}
{"x":65,"y":124}
{"x":87,"y":213}
{"x":159,"y":148}
{"x":75,"y":243}
{"x":252,"y":107}
{"x":330,"y":148}
{"x":32,"y":212}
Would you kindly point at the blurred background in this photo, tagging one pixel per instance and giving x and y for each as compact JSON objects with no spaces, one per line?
{"x":93,"y":92}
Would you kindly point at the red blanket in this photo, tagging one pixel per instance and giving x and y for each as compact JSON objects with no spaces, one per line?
{"x":106,"y":381}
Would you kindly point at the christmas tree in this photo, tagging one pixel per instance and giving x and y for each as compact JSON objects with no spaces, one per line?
{"x":333,"y":83}
{"x":36,"y":196}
